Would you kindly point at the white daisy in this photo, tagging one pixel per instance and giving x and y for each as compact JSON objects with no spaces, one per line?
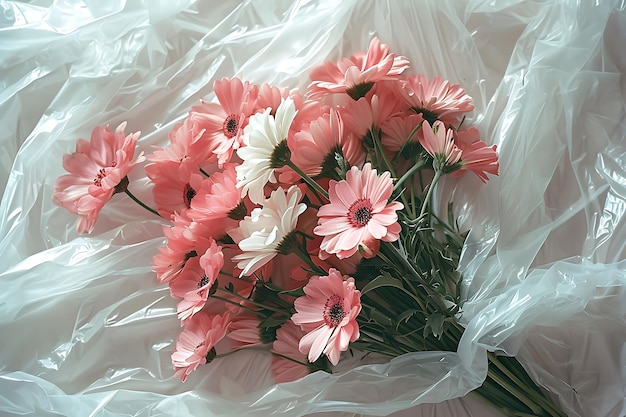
{"x":265,"y":140}
{"x":267,"y":227}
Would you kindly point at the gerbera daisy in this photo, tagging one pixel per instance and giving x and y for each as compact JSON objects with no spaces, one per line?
{"x":436,"y":99}
{"x":266,"y":149}
{"x":359,"y":214}
{"x":267,"y":228}
{"x":97,"y":170}
{"x":476,"y":156}
{"x":286,"y":344}
{"x":195,"y":280}
{"x":223,"y":122}
{"x":327,"y":314}
{"x":439,"y":143}
{"x":356,"y":75}
{"x":200,"y":335}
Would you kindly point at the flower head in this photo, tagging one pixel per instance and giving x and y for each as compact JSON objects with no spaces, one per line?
{"x":476,"y":156}
{"x":359,"y":214}
{"x":356,"y":75}
{"x":97,"y":170}
{"x":439,"y":143}
{"x":287,"y":344}
{"x":327,"y":313}
{"x":265,"y":149}
{"x":201,"y":333}
{"x":436,"y":99}
{"x":267,"y":227}
{"x":222,"y":123}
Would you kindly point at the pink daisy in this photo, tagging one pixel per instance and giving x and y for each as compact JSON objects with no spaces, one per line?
{"x":401,"y":133}
{"x":244,"y":331}
{"x":286,"y":344}
{"x":327,"y":313}
{"x":356,"y":75}
{"x":314,"y":147}
{"x":219,"y":198}
{"x":200,"y":335}
{"x":97,"y":170}
{"x":186,"y":149}
{"x":359,"y":214}
{"x":195,"y":280}
{"x":436,"y":99}
{"x":223,"y":122}
{"x":439,"y":143}
{"x":476,"y":156}
{"x":172,"y":191}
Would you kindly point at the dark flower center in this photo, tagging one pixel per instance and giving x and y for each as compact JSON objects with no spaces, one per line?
{"x":204,"y":280}
{"x":101,"y":174}
{"x":333,"y":310}
{"x":359,"y":90}
{"x":188,"y":194}
{"x":360,"y":212}
{"x":231,"y":126}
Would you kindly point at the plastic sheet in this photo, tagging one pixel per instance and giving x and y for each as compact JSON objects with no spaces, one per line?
{"x":87,"y":331}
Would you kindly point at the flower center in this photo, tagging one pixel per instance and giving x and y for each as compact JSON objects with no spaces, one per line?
{"x":333,"y":310}
{"x":231,"y":126}
{"x":360,"y":212}
{"x":101,"y":174}
{"x":204,"y":280}
{"x":188,"y":194}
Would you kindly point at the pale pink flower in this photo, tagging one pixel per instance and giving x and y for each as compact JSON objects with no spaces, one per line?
{"x":314,"y":146}
{"x":218,"y":194}
{"x":97,"y":170}
{"x":187,"y":149}
{"x":356,"y":75}
{"x":436,"y":99}
{"x":244,"y":331}
{"x":402,"y":133}
{"x":172,"y":192}
{"x":287,"y":344}
{"x":267,"y":227}
{"x":359,"y":214}
{"x":223,"y":122}
{"x":201,"y":333}
{"x":327,"y":314}
{"x":476,"y":156}
{"x":192,"y":286}
{"x":439,"y":143}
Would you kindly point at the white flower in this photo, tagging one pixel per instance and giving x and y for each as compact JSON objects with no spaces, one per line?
{"x":264,"y":137}
{"x":265,"y":229}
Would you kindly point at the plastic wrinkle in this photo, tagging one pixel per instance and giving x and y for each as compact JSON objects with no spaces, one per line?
{"x":86,"y":329}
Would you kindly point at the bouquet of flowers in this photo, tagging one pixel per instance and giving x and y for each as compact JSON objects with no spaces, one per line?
{"x":304,"y":224}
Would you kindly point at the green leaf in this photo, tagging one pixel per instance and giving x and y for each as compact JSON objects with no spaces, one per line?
{"x":384,"y":280}
{"x":434,"y":324}
{"x":273,"y":321}
{"x":380,"y":318}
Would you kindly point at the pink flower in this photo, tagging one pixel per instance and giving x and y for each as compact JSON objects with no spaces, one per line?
{"x":436,"y":99}
{"x":356,"y":75}
{"x":476,"y":156}
{"x":400,"y":133}
{"x":244,"y":331}
{"x":186,"y":149}
{"x":312,"y":147}
{"x":327,"y":313}
{"x":97,"y":170}
{"x":439,"y":143}
{"x":172,"y":192}
{"x":359,"y":214}
{"x":218,"y":198}
{"x":201,"y":333}
{"x":223,"y":122}
{"x":193,"y":284}
{"x":286,"y":344}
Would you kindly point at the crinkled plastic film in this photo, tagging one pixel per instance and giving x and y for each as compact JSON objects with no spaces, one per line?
{"x":85,"y":328}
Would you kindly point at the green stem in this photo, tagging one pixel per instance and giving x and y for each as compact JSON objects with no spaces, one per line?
{"x":310,"y":181}
{"x":248,"y":300}
{"x":430,"y":191}
{"x":136,"y":200}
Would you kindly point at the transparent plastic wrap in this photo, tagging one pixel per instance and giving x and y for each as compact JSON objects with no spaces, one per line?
{"x":86,"y":329}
